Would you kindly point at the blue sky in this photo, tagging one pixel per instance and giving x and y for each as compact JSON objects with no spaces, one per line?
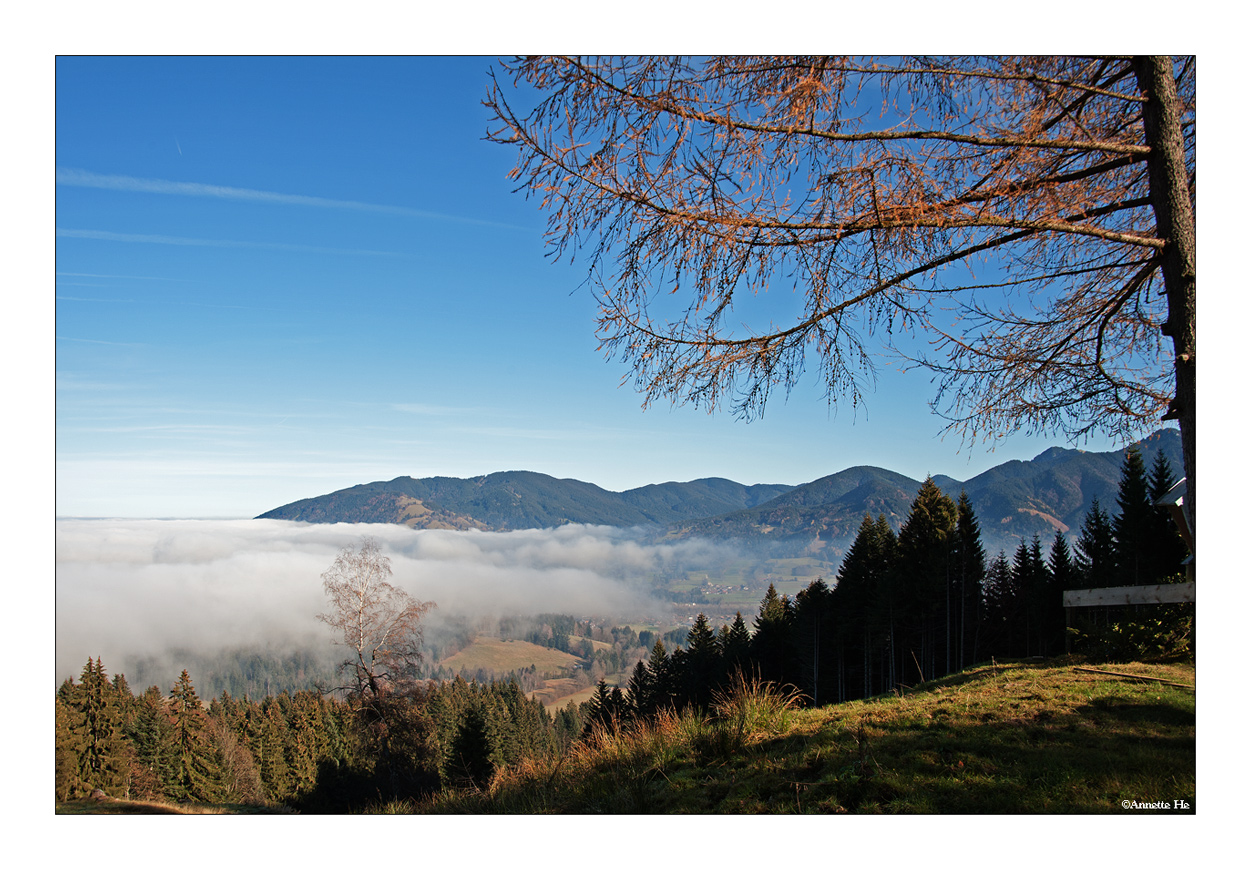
{"x":278,"y":277}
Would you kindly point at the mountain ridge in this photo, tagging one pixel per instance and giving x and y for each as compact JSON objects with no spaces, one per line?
{"x":1013,"y":501}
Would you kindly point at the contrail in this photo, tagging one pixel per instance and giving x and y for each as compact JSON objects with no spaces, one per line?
{"x":81,"y":178}
{"x":104,"y":235}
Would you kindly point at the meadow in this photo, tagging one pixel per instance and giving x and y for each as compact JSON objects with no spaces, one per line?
{"x":1022,"y":738}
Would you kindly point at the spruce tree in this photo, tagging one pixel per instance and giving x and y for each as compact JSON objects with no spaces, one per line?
{"x":1032,"y":615}
{"x":815,"y":641}
{"x":772,"y":642}
{"x":1045,"y":604}
{"x":1003,"y":608}
{"x":924,"y":568}
{"x":702,"y":663}
{"x":640,"y":690}
{"x":862,"y":602}
{"x":124,"y":698}
{"x":969,"y":578}
{"x":617,"y":704}
{"x":1062,"y":565}
{"x":151,"y":732}
{"x":94,"y":738}
{"x":66,"y":751}
{"x":1096,"y":549}
{"x":1065,"y":575}
{"x":567,"y":725}
{"x":1134,"y":524}
{"x":1167,"y":548}
{"x":601,"y":711}
{"x":735,"y":646}
{"x":1024,"y":581}
{"x":470,"y":764}
{"x":199,"y":767}
{"x":305,"y":740}
{"x":662,"y":693}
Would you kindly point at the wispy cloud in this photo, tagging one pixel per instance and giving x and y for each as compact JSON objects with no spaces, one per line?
{"x":82,"y":178}
{"x":432,"y":409}
{"x":122,"y":277}
{"x":513,"y":433}
{"x":95,"y":341}
{"x":104,"y":235}
{"x":85,"y":299}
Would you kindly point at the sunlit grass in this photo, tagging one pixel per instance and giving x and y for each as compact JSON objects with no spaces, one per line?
{"x":1020,"y":738}
{"x":109,"y":806}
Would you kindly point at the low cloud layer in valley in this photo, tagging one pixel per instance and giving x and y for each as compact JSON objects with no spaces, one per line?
{"x":132,"y":588}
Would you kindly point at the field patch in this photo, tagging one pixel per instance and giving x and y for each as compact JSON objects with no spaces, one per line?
{"x":553,"y":698}
{"x":492,"y":653}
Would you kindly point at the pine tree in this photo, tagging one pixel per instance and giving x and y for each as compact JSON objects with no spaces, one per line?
{"x":863,"y":599}
{"x":124,"y":698}
{"x":68,"y":747}
{"x":1167,"y":549}
{"x":152,"y":734}
{"x":1096,"y":549}
{"x":663,"y":691}
{"x":815,"y":641}
{"x":1045,"y":603}
{"x":640,"y":690}
{"x":199,"y":767}
{"x":1004,"y":604}
{"x":470,"y":764}
{"x":1065,"y":575}
{"x":305,"y":737}
{"x":567,"y":725}
{"x":969,"y":578}
{"x":924,"y":568}
{"x":602,"y":710}
{"x":701,"y":664}
{"x":735,"y":646}
{"x":1062,"y":565}
{"x":772,"y":642}
{"x":1027,"y":574}
{"x":1134,"y":524}
{"x":93,"y":748}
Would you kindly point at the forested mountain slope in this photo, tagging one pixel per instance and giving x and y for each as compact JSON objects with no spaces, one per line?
{"x":1013,"y":501}
{"x":512,"y":500}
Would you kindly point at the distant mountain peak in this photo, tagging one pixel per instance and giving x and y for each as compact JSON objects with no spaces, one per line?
{"x":1013,"y":501}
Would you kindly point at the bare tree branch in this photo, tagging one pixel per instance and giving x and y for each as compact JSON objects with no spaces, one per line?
{"x":1023,"y":213}
{"x":379,"y":622}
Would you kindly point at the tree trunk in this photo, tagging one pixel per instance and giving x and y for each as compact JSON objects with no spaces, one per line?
{"x":1174,"y":214}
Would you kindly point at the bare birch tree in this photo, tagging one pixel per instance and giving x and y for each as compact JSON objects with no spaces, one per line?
{"x":1031,"y":218}
{"x":378,"y":622}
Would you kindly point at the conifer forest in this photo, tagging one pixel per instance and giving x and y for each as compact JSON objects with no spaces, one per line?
{"x":907,"y":605}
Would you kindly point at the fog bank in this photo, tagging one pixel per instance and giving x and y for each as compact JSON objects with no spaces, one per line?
{"x":131,"y":588}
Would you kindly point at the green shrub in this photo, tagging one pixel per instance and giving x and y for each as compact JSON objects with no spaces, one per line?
{"x":1145,"y":633}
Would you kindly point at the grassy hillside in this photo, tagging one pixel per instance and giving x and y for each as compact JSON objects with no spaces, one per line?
{"x":1024,"y":738}
{"x":492,"y":653}
{"x":108,"y":806}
